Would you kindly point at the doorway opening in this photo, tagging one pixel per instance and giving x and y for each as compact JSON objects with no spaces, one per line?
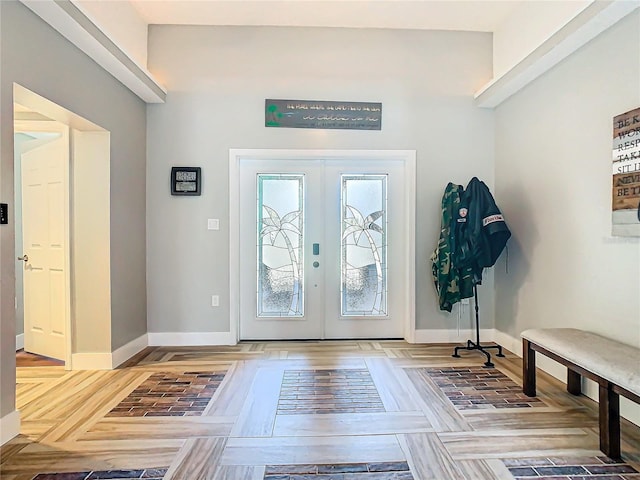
{"x":322,"y":244}
{"x":62,"y":219}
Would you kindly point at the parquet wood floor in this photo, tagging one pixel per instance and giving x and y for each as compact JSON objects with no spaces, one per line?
{"x":28,"y":359}
{"x":334,"y":410}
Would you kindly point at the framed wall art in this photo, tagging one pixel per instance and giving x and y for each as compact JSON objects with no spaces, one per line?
{"x":625,"y":215}
{"x":186,"y":181}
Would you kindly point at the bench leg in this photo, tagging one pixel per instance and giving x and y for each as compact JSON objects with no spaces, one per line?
{"x":574,"y":382}
{"x":609,"y":422}
{"x":528,"y":369}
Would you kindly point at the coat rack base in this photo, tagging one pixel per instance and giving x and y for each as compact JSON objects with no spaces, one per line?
{"x":481,"y":348}
{"x":471,"y":345}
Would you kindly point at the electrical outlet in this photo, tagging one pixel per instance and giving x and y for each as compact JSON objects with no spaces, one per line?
{"x":215,"y":300}
{"x":213,"y":224}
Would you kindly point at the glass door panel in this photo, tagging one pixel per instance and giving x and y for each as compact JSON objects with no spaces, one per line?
{"x":364,"y":245}
{"x":280,"y":255}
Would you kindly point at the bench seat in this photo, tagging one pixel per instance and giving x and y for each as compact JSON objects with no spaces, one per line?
{"x":613,"y":365}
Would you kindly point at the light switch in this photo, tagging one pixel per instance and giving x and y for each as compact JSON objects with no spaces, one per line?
{"x":215,"y":300}
{"x":213,"y":224}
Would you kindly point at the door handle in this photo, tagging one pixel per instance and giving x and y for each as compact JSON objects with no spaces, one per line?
{"x":24,"y":258}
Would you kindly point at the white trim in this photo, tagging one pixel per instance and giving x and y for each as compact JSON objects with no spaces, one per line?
{"x":452,"y":336}
{"x":91,"y":361}
{"x":124,"y":353}
{"x":585,"y":26}
{"x":68,"y":337}
{"x":236,"y":155}
{"x":190,"y":339}
{"x":19,"y":342}
{"x":410,"y":222}
{"x":234,"y":243}
{"x":74,"y":25}
{"x":9,"y":426}
{"x":514,"y":345}
{"x":46,"y":107}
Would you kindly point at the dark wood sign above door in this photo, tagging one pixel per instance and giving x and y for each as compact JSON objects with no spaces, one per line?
{"x":323,"y":114}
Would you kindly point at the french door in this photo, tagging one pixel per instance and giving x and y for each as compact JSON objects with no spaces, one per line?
{"x":322,"y":249}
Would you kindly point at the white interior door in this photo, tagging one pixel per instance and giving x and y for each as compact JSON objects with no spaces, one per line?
{"x":322,"y":249}
{"x":45,"y":208}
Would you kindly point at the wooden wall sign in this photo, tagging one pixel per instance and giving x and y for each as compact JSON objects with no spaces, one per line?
{"x":323,"y":115}
{"x":626,"y":174}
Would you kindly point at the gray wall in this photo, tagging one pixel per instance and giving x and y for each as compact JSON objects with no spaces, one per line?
{"x":553,"y":174}
{"x":218,"y":79}
{"x":37,"y":57}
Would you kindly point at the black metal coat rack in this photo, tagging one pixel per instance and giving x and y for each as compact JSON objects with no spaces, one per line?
{"x":474,"y":237}
{"x":477,"y":345}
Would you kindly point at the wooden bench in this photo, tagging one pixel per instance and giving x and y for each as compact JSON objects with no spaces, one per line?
{"x":613,"y":365}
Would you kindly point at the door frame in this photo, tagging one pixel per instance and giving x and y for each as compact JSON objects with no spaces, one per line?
{"x":97,"y":191}
{"x":408,"y":157}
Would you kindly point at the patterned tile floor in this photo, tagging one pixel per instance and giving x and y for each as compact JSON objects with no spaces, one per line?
{"x":576,"y":468}
{"x":170,"y":395}
{"x":148,"y":474}
{"x":328,"y":391}
{"x":480,"y":388}
{"x":344,"y":471}
{"x":248,"y":425}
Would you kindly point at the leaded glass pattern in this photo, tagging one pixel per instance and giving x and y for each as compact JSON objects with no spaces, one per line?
{"x":280,"y":247}
{"x":364,"y":245}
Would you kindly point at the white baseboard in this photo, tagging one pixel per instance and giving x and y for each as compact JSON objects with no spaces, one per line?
{"x":453,"y":336}
{"x":514,"y":345}
{"x":19,"y":342}
{"x":91,"y":361}
{"x":124,"y":353}
{"x":9,"y":426}
{"x":190,"y":339}
{"x":109,"y":361}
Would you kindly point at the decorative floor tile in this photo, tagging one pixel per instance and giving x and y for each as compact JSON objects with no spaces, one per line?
{"x":170,"y":395}
{"x":570,"y":468}
{"x":63,"y":429}
{"x":480,"y":388}
{"x":328,"y":391}
{"x":148,"y":474}
{"x":340,"y":471}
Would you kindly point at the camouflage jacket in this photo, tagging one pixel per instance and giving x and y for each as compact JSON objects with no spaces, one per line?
{"x":452,"y":283}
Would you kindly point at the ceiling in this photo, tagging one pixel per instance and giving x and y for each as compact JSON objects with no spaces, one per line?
{"x":467,"y":15}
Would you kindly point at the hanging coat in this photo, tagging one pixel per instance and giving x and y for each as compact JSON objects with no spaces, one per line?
{"x":483,"y":234}
{"x":452,"y":283}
